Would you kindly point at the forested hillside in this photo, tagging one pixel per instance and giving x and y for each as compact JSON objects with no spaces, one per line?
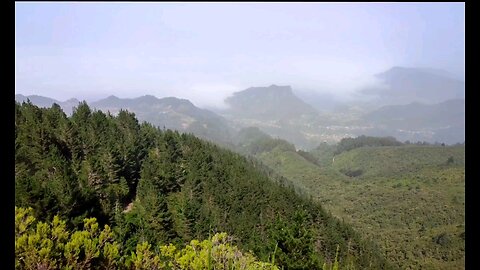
{"x":409,"y":199}
{"x":172,"y":113}
{"x":165,"y":187}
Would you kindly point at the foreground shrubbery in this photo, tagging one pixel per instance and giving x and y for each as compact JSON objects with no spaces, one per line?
{"x":49,"y":245}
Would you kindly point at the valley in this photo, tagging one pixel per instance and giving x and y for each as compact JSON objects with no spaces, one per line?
{"x":387,"y":171}
{"x":405,"y":198}
{"x":240,"y":136}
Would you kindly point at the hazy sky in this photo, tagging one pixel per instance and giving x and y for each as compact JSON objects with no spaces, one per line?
{"x":205,"y":51}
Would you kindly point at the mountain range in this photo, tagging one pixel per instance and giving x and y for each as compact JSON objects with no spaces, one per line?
{"x":41,"y":101}
{"x":171,"y":113}
{"x":428,"y":105}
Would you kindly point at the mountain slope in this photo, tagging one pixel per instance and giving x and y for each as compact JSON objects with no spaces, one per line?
{"x":389,"y":161}
{"x":171,"y":113}
{"x":37,"y":100}
{"x":268,"y":103}
{"x":277,"y":111}
{"x":442,"y":122}
{"x":177,"y":188}
{"x":46,"y":102}
{"x":409,"y":199}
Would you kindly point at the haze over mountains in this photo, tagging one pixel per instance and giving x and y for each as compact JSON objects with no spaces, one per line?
{"x":171,"y":113}
{"x":268,"y":103}
{"x":406,"y":85}
{"x":40,"y":101}
{"x":410,"y":104}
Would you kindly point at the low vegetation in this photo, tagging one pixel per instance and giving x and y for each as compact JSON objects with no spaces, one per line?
{"x":50,"y":245}
{"x":410,"y":200}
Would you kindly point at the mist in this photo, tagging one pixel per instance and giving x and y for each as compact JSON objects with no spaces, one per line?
{"x":207,"y":51}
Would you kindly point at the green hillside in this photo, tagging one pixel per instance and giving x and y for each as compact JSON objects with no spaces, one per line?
{"x":165,"y":187}
{"x":171,"y":113}
{"x":390,"y":161}
{"x":408,"y":199}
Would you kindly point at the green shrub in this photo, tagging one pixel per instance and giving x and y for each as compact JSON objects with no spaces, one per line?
{"x":49,"y":245}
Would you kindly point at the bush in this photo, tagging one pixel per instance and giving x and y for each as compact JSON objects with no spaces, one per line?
{"x":49,"y":245}
{"x":347,"y":144}
{"x":450,"y":160}
{"x":352,"y":173}
{"x":442,"y":239}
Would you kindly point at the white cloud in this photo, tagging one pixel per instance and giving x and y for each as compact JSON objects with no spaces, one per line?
{"x":209,"y":94}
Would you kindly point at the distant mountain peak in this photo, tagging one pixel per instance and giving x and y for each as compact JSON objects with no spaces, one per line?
{"x":112,"y":97}
{"x":150,"y":99}
{"x":149,"y":96}
{"x":280,"y":87}
{"x":268,"y":90}
{"x":175,"y":100}
{"x":47,"y":102}
{"x":272,"y":102}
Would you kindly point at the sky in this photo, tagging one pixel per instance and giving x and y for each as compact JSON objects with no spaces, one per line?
{"x":206,"y":51}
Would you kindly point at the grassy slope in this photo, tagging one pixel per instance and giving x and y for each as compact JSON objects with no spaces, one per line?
{"x":391,"y":160}
{"x":404,"y":200}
